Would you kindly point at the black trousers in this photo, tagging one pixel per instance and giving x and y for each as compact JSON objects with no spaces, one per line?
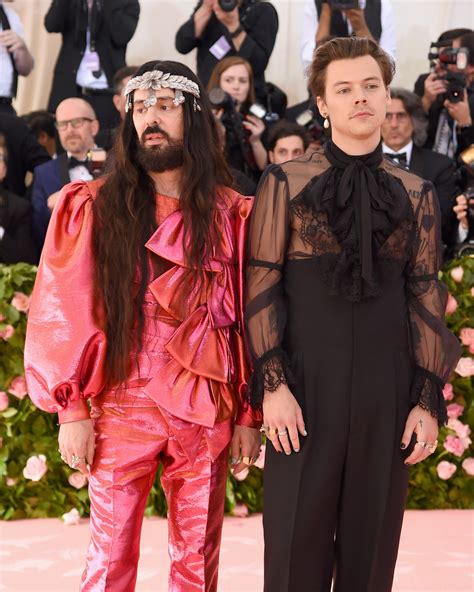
{"x":335,"y":509}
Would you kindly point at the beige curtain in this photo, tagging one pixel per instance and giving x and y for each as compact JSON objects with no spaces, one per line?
{"x":417,"y":23}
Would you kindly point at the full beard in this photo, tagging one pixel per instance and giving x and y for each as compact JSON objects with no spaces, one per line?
{"x":157,"y":159}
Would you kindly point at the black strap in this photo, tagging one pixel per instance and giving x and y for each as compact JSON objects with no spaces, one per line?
{"x":6,"y":27}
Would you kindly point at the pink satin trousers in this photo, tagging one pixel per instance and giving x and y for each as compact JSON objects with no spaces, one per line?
{"x":133,"y":435}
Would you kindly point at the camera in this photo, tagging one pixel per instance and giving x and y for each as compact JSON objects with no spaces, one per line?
{"x":444,"y":54}
{"x":260,"y":112}
{"x":465,"y":182}
{"x":308,"y":120}
{"x":455,"y":87}
{"x":343,"y":4}
{"x":228,"y":5}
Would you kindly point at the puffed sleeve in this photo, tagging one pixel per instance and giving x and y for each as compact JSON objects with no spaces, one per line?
{"x":65,"y":347}
{"x":436,"y":349}
{"x":265,"y":312}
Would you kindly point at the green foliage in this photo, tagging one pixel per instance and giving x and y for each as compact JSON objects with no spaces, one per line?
{"x":25,"y":431}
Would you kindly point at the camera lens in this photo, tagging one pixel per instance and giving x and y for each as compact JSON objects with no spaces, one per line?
{"x":228,"y":5}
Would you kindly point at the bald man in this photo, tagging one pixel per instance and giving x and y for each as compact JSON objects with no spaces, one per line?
{"x":77,"y":127}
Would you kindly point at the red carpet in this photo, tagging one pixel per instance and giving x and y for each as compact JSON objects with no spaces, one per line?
{"x":436,"y":554}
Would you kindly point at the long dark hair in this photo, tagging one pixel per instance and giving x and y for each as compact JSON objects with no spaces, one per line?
{"x":125,"y":218}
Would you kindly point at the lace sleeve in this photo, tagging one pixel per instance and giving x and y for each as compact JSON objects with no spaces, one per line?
{"x":265,"y":313}
{"x":436,"y":349}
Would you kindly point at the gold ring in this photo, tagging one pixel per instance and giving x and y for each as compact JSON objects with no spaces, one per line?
{"x":272,"y":431}
{"x":247,"y":460}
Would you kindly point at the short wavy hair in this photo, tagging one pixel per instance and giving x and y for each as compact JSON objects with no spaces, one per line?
{"x":413,"y":107}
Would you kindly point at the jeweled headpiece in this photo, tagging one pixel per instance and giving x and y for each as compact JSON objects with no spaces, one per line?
{"x":156,"y":79}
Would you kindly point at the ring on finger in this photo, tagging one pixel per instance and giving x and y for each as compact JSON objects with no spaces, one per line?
{"x":272,"y":431}
{"x":283,"y":433}
{"x":76,"y":461}
{"x":248,"y":460}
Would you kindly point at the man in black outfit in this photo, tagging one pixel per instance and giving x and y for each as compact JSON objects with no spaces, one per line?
{"x":24,"y":152}
{"x":95,"y":37}
{"x":451,"y":128}
{"x":248,"y":31}
{"x":404,"y":134}
{"x":16,"y":241}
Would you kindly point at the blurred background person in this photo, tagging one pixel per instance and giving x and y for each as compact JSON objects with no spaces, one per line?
{"x":447,"y":92}
{"x":287,"y":141}
{"x":243,"y":131}
{"x":42,"y":124}
{"x":25,"y":153}
{"x":95,"y":34}
{"x":217,"y":30}
{"x":364,"y":18}
{"x":15,"y":57}
{"x":404,"y":134}
{"x":77,"y":127}
{"x":16,"y":241}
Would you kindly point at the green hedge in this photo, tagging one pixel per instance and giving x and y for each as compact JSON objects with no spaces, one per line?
{"x":34,"y":482}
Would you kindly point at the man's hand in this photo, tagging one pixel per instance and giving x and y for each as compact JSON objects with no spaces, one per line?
{"x":52,"y":199}
{"x":12,"y":41}
{"x":460,"y":112}
{"x":230,"y":20}
{"x":434,"y":86}
{"x":425,"y":426}
{"x":255,"y":126}
{"x":246,"y":442}
{"x":282,"y":413}
{"x":460,"y":209}
{"x":77,"y":438}
{"x":358,"y":23}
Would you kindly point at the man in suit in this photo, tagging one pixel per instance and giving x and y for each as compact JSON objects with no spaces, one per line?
{"x":25,"y":153}
{"x":77,"y":127}
{"x":403,"y":134}
{"x":16,"y":241}
{"x":95,"y":36}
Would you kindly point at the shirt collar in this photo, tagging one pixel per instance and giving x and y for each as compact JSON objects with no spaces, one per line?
{"x":408,"y":149}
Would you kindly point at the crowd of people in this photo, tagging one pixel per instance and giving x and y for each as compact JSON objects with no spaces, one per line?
{"x":428,"y":129}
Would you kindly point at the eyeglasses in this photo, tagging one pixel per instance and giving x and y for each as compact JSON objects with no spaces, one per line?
{"x":400,"y":116}
{"x":76,"y":123}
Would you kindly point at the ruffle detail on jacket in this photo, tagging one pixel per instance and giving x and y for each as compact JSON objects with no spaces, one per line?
{"x":360,"y":222}
{"x":206,"y":371}
{"x":427,"y":392}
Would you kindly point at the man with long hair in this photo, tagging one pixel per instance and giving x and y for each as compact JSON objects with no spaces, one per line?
{"x":137,"y":308}
{"x":345,"y":315}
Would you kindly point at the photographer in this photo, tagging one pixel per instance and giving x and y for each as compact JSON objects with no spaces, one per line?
{"x":363,"y":18}
{"x":287,"y":141}
{"x":243,"y":131}
{"x":447,"y":94}
{"x":220,"y":28}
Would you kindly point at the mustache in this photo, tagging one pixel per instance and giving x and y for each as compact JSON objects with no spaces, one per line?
{"x":154,"y":129}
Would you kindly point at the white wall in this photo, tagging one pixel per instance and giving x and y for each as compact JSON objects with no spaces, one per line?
{"x":417,"y":23}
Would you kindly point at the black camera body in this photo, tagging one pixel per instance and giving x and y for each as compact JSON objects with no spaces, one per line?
{"x":455,"y":88}
{"x":343,"y":4}
{"x":228,"y":5}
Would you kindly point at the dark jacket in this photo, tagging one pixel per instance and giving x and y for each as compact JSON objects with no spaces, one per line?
{"x":24,"y":152}
{"x":17,"y":244}
{"x":112,"y":28}
{"x":49,"y":178}
{"x":260,"y":21}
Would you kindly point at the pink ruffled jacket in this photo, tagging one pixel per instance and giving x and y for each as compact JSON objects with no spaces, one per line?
{"x":197,"y":370}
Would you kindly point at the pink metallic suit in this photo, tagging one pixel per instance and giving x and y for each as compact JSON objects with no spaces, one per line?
{"x":184,"y":393}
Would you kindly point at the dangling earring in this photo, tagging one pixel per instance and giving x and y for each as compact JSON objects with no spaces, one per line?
{"x":326,"y":123}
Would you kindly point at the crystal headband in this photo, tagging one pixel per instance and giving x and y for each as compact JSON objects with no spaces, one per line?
{"x":155,"y":80}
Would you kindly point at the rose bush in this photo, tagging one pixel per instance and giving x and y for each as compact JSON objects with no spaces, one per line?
{"x":34,"y":482}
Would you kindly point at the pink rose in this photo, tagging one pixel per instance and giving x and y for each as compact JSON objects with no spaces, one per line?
{"x":35,"y":468}
{"x":468,"y":465}
{"x":465,"y":367}
{"x":451,"y":305}
{"x":77,"y":480}
{"x":471,"y":348}
{"x":260,"y":462}
{"x":448,"y":392}
{"x":21,"y":302}
{"x":8,"y":332}
{"x":454,"y":445}
{"x":3,"y":401}
{"x":18,"y":387}
{"x":242,"y":475}
{"x":462,"y":430}
{"x":11,"y":481}
{"x":467,"y":336}
{"x":445,"y":470}
{"x":240,"y":511}
{"x":454,"y":410}
{"x":457,"y":273}
{"x":71,"y":518}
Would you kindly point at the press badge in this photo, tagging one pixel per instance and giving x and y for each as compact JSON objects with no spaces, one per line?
{"x":220,"y":48}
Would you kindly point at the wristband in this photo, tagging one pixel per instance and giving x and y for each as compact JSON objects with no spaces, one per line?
{"x":237,"y":32}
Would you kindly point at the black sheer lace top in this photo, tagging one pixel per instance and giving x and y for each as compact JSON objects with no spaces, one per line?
{"x":357,"y":218}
